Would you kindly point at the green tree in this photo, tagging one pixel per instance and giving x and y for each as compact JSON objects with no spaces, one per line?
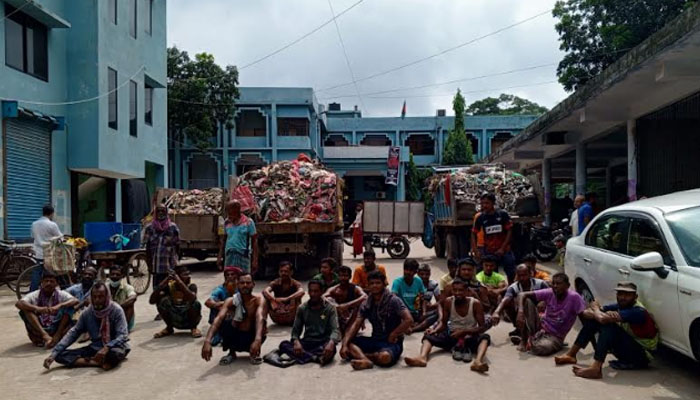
{"x":595,"y":33}
{"x":201,"y":97}
{"x":458,"y":150}
{"x":505,"y":104}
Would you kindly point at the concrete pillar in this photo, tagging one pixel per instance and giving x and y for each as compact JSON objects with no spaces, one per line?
{"x":632,"y":160}
{"x":608,"y":186}
{"x":439,"y":140}
{"x":401,"y":188}
{"x":581,"y":168}
{"x":177,"y":166}
{"x":225,"y":167}
{"x":354,"y":139}
{"x":273,"y":132}
{"x":547,"y":188}
{"x":485,"y":144}
{"x":118,"y":200}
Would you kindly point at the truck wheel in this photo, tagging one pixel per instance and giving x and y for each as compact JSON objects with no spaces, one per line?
{"x":451,"y":246}
{"x":399,"y":247}
{"x":439,"y":244}
{"x":337,"y":250}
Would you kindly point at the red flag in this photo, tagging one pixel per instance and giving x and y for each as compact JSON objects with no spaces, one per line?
{"x":403,"y":109}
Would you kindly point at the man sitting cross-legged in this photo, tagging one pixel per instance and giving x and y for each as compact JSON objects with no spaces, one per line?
{"x":81,"y":290}
{"x":176,"y":300}
{"x":410,"y":289}
{"x":240,"y":323}
{"x":475,"y":289}
{"x":219,"y":295}
{"x":47,"y":312}
{"x":625,"y":329}
{"x":319,"y":322}
{"x":390,"y":319}
{"x":347,"y":298}
{"x":461,"y":330}
{"x":104,"y":321}
{"x":432,"y":291}
{"x":283,"y":296}
{"x":496,"y":284}
{"x":122,"y":293}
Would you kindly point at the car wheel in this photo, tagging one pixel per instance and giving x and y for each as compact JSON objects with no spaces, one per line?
{"x":585,"y":292}
{"x":695,"y":339}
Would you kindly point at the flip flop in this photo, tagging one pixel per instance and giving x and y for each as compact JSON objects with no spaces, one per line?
{"x":196,"y":333}
{"x":165,"y":332}
{"x":467,"y":356}
{"x":457,"y":354}
{"x":227,"y":359}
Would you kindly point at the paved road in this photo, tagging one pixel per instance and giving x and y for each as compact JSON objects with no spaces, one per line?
{"x":172,"y":368}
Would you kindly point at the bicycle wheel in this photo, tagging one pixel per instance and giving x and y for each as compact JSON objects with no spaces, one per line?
{"x":14,"y":268}
{"x":138,"y":274}
{"x":21,"y":285}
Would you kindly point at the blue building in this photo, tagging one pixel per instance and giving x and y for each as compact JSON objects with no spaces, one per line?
{"x":83,"y":125}
{"x":273,"y":124}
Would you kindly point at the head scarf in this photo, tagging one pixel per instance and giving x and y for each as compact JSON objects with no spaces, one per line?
{"x":161,"y":226}
{"x":103,"y":315}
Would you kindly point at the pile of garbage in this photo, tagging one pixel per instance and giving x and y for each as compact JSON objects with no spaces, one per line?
{"x":468,"y":184}
{"x":289,"y":191}
{"x":196,"y":202}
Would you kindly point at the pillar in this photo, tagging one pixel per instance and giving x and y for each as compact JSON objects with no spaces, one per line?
{"x":484,"y":144}
{"x":401,"y":188}
{"x":581,"y":168}
{"x":225,"y":167}
{"x":273,"y":132}
{"x":547,"y":188}
{"x":608,"y":186}
{"x":118,"y":200}
{"x":632,"y":160}
{"x":440,"y":144}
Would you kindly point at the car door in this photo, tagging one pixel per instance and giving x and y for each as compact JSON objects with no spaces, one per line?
{"x":606,"y":242}
{"x":659,"y":295}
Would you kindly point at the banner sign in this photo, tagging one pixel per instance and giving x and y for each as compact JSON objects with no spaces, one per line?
{"x":392,"y":171}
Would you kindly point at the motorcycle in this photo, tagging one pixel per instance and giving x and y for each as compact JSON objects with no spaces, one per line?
{"x":397,"y":246}
{"x":542,"y":241}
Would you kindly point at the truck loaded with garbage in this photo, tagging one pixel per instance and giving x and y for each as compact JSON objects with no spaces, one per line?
{"x":456,"y":193}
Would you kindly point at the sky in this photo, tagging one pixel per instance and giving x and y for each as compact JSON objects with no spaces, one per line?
{"x":377,"y":36}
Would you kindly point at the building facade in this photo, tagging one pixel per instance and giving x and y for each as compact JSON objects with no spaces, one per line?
{"x":83,"y":126}
{"x":273,"y":124}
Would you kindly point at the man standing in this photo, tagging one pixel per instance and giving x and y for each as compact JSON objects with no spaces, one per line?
{"x":495,"y":283}
{"x":122,"y":293}
{"x":562,"y":306}
{"x":105,"y":323}
{"x":47,"y":312}
{"x":81,"y":291}
{"x":239,"y":238}
{"x":625,"y":329}
{"x":409,"y":289}
{"x":362,"y":271}
{"x":432,"y":291}
{"x":497,"y":228}
{"x":318,"y":320}
{"x":283,"y":296}
{"x":586,"y":212}
{"x":176,"y":300}
{"x":43,"y":230}
{"x":240,"y":323}
{"x":452,"y":267}
{"x":161,"y":239}
{"x":347,"y":298}
{"x":524,"y":282}
{"x":390,"y":320}
{"x":461,"y":330}
{"x":327,"y":275}
{"x":573,"y":222}
{"x":219,"y":295}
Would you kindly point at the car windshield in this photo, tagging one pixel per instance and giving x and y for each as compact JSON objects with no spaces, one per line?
{"x":685,"y":225}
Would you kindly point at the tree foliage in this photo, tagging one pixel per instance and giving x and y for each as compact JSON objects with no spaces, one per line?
{"x":201,"y":97}
{"x":415,"y":181}
{"x":595,"y":33}
{"x":505,"y":104}
{"x":458,"y":150}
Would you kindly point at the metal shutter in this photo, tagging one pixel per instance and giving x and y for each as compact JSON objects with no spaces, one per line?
{"x":28,"y":172}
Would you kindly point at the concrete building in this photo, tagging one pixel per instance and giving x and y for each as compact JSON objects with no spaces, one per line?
{"x":273,"y":124}
{"x":634,"y":129}
{"x":83,"y":126}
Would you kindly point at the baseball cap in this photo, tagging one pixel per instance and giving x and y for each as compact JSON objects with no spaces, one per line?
{"x":626,"y":287}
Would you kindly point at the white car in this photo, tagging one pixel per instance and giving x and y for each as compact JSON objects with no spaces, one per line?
{"x":654,"y":243}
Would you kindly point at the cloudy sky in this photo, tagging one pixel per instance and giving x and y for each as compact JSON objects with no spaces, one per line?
{"x":380,"y":35}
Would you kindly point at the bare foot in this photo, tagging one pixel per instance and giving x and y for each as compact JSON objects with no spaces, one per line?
{"x":51,"y":343}
{"x":479,"y":367}
{"x":415,"y":362}
{"x":196,"y":333}
{"x":522,"y":347}
{"x":565,"y":359}
{"x":165,"y":332}
{"x":588,"y":373}
{"x":361,"y":364}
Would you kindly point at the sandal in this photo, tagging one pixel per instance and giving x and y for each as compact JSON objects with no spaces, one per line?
{"x":165,"y":332}
{"x":227,"y":359}
{"x":196,"y":333}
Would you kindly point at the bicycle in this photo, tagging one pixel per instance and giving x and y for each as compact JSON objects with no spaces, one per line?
{"x":13,"y":263}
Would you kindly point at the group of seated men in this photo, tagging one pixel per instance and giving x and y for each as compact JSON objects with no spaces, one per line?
{"x":455,"y":317}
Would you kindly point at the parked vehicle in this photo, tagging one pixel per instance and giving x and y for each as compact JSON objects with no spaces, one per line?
{"x":654,"y":243}
{"x":542,"y":241}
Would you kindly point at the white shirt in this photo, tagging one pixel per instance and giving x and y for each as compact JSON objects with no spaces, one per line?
{"x":43,"y":230}
{"x":573,"y":223}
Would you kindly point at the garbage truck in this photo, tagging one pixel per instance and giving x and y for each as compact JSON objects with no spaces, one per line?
{"x":456,"y":194}
{"x":297,"y":209}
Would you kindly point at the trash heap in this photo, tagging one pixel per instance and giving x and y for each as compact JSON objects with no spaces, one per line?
{"x":196,"y":202}
{"x":289,"y":191}
{"x":468,"y":184}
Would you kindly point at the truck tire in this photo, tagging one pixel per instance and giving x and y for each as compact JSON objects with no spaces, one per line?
{"x":337,"y":250}
{"x":451,"y":246}
{"x":439,"y":243}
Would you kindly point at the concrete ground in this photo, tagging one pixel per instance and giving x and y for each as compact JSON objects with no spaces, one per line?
{"x":172,"y":367}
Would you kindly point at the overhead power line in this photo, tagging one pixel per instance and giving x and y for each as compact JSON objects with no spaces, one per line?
{"x":300,"y":38}
{"x":469,"y":92}
{"x":420,"y":60}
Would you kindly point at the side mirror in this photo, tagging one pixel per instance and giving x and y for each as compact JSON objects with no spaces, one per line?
{"x":652,"y":261}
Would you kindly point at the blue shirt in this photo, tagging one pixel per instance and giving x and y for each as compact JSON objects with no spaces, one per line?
{"x":218,"y":294}
{"x":88,"y":322}
{"x":585,"y":211}
{"x":237,"y":235}
{"x":78,"y":292}
{"x":408,"y":293}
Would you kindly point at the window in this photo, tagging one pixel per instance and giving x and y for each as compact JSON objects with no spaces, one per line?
{"x":26,"y":47}
{"x":133,"y":123}
{"x":610,"y":233}
{"x":375,"y":140}
{"x":421,"y":145}
{"x":335,"y":141}
{"x":646,"y":238}
{"x":112,"y":6}
{"x":250,"y":123}
{"x":149,"y":17}
{"x":133,"y":14}
{"x":685,"y":225}
{"x":148,"y":105}
{"x":474,"y":142}
{"x":113,"y":96}
{"x":293,"y":127}
{"x":499,"y":140}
